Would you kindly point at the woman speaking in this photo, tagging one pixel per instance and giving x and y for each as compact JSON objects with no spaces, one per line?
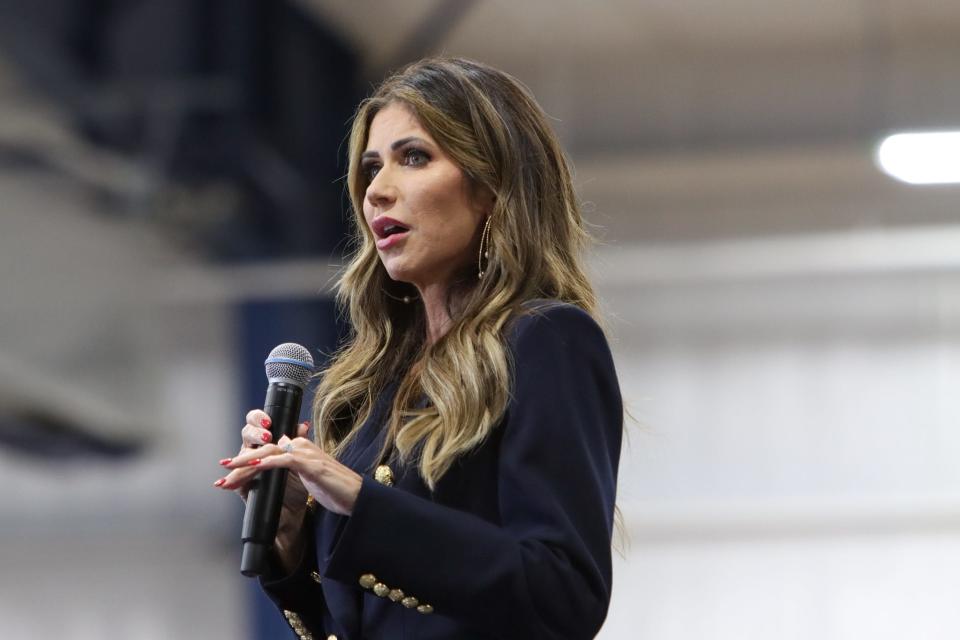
{"x":462,"y":475}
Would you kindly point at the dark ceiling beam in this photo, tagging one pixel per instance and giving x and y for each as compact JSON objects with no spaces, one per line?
{"x":248,"y":97}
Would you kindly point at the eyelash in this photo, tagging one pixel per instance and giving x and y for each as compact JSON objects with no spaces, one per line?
{"x":410,"y":153}
{"x":370,"y":169}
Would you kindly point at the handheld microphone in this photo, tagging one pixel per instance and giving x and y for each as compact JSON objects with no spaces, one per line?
{"x":288,"y":370}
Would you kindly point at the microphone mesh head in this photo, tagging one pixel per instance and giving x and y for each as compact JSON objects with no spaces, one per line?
{"x":290,"y":363}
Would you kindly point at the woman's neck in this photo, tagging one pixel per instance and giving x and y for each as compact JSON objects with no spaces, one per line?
{"x":434,"y":299}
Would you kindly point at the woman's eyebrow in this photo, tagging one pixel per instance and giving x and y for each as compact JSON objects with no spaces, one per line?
{"x":396,"y":145}
{"x":402,"y":141}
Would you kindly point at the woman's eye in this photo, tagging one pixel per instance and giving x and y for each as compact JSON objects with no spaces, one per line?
{"x":370,"y":171}
{"x":415,"y":157}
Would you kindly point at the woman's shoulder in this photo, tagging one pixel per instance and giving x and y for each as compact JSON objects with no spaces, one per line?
{"x":546,"y":319}
{"x":560,"y":346}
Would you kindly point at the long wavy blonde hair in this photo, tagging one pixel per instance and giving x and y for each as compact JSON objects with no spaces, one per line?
{"x":451,"y":394}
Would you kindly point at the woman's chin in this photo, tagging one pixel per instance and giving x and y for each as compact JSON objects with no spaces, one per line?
{"x":398,"y":274}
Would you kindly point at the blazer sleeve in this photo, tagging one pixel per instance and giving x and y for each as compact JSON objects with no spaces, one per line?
{"x":543,"y":571}
{"x":299,"y":595}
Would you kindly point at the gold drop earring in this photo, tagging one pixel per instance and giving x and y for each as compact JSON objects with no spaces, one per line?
{"x":484,"y":253}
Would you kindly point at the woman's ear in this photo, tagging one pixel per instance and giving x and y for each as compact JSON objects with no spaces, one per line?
{"x":485,"y":199}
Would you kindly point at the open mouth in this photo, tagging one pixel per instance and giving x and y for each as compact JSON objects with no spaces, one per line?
{"x":384,"y":227}
{"x":392,"y":229}
{"x":388,"y":231}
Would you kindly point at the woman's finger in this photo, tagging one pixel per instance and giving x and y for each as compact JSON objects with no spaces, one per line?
{"x":299,"y":443}
{"x":256,"y":456}
{"x":251,"y":457}
{"x":302,"y":429}
{"x":286,"y":454}
{"x":281,"y":461}
{"x":255,"y":436}
{"x":248,"y":463}
{"x":238,"y":478}
{"x":258,"y":418}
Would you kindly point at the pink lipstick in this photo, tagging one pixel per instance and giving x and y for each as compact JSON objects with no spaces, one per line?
{"x":388,"y":231}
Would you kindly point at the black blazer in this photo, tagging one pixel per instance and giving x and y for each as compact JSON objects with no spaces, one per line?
{"x":514,"y":542}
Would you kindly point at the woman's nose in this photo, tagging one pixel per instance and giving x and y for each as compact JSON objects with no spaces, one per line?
{"x":381,"y":191}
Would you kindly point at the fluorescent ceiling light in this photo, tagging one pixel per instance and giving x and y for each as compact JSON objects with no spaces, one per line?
{"x":932,"y":157}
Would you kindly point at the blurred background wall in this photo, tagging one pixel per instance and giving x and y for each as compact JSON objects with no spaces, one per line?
{"x":783,"y":315}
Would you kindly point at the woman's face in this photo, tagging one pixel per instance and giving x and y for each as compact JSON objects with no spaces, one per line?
{"x":418,"y":203}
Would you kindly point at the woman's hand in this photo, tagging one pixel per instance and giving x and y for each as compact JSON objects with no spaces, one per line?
{"x":255,"y":434}
{"x":333,"y":485}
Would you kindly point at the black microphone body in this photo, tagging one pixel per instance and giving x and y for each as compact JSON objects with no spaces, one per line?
{"x":265,"y":498}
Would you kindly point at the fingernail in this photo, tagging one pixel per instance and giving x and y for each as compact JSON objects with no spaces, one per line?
{"x":265,"y":423}
{"x":219,"y":483}
{"x":225,"y":461}
{"x":266,"y":436}
{"x":255,"y":462}
{"x":307,"y":422}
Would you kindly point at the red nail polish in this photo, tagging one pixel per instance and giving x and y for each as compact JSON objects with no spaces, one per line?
{"x":266,"y":436}
{"x":225,"y":461}
{"x":265,"y":423}
{"x":255,"y":462}
{"x":307,"y":422}
{"x":219,"y":483}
